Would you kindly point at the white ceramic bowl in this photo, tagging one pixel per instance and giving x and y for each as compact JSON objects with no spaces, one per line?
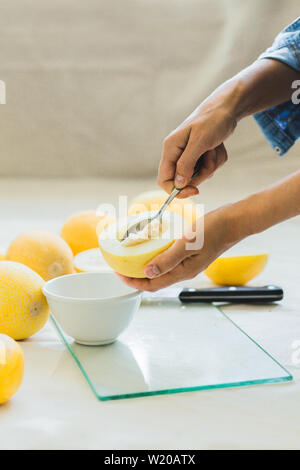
{"x":93,"y":308}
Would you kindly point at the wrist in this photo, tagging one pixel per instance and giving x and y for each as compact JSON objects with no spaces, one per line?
{"x":238,"y":221}
{"x":235,"y":97}
{"x":228,"y":98}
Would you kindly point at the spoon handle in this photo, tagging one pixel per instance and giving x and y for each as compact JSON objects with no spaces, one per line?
{"x":176,"y":191}
{"x":172,"y":196}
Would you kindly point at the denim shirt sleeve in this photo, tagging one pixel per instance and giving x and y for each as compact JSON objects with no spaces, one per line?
{"x":281,"y":124}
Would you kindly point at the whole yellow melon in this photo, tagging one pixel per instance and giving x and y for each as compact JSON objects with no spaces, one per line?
{"x":80,"y":230}
{"x":23,"y":307}
{"x":11,"y":367}
{"x":153,"y":200}
{"x":44,"y":252}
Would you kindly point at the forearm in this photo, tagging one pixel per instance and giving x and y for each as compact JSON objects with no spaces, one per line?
{"x":263,"y":84}
{"x":262,"y":210}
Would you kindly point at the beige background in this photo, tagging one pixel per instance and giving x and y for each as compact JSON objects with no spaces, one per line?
{"x":93,"y":87}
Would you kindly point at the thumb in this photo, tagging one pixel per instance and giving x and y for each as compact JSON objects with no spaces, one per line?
{"x":167,"y":260}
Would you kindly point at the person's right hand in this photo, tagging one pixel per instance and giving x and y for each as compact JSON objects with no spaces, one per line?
{"x":260,"y":86}
{"x":200,"y":136}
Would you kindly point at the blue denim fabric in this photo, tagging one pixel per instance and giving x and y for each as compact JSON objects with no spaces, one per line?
{"x":281,"y":124}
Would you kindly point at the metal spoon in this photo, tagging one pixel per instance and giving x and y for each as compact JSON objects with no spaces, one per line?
{"x":139,"y":226}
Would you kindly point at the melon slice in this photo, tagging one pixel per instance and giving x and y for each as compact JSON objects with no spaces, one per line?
{"x":90,"y":261}
{"x":236,"y":270}
{"x":131,"y":260}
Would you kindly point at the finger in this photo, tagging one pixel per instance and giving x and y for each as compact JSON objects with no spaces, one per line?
{"x":173,"y":147}
{"x":186,"y":164}
{"x":153,"y":285}
{"x":167,"y":260}
{"x":208,"y":165}
{"x":210,"y":162}
{"x":222,"y":155}
{"x":166,"y":173}
{"x":188,"y":191}
{"x":132,"y":282}
{"x":187,"y":269}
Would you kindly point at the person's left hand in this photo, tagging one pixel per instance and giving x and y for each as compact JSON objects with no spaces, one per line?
{"x":179,"y":263}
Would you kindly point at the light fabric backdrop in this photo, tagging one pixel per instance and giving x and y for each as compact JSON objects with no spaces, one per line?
{"x":93,"y":87}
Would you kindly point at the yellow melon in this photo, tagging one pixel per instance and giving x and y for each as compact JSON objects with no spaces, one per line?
{"x":236,"y":270}
{"x":80,"y":230}
{"x":44,"y":252}
{"x":153,"y":200}
{"x":23,"y":307}
{"x":11,"y":367}
{"x":131,"y":260}
{"x":2,"y":257}
{"x":90,"y":261}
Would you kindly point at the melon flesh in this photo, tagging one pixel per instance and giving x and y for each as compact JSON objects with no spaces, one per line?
{"x":132,"y":260}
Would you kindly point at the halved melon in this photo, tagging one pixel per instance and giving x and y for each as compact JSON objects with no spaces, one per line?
{"x":90,"y":261}
{"x":131,"y":260}
{"x":236,"y":270}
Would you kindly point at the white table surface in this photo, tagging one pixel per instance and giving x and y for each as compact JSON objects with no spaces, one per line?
{"x":56,"y":409}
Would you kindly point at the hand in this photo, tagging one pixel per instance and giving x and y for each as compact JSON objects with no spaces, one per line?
{"x":179,"y":263}
{"x":200,"y":136}
{"x":260,"y":86}
{"x":223,"y":228}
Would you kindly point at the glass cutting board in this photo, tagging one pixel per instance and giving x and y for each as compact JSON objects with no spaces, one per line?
{"x":171,"y":348}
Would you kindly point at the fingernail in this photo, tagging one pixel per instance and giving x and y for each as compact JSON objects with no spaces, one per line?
{"x":152,"y":271}
{"x":179,"y":180}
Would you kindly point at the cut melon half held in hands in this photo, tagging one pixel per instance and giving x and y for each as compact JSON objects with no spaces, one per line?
{"x":131,"y":260}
